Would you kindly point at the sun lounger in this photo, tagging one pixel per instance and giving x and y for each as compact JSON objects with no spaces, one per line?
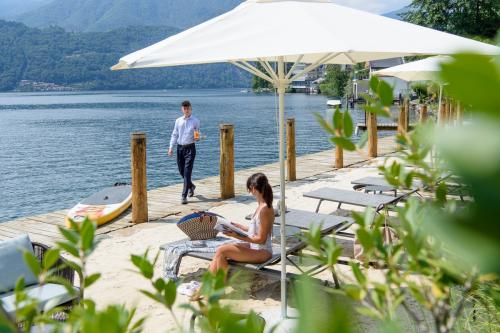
{"x":295,"y":218}
{"x":380,"y":184}
{"x":376,"y":181}
{"x":303,"y":219}
{"x":377,"y":201}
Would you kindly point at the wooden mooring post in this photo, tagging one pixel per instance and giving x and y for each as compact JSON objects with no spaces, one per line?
{"x":402,"y":124}
{"x":339,"y":157}
{"x":450,"y":112}
{"x":407,"y":115}
{"x":442,"y":113}
{"x":291,"y":166}
{"x":139,"y":179}
{"x":226,"y":161}
{"x":452,"y":117}
{"x":423,"y":113}
{"x":460,"y":113}
{"x":371,"y":127}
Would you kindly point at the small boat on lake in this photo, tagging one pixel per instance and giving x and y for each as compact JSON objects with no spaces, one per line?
{"x":334,"y":102}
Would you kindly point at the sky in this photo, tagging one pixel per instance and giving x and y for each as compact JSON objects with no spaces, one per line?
{"x":375,"y":6}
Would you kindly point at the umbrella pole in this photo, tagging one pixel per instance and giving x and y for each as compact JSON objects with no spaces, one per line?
{"x":281,"y":92}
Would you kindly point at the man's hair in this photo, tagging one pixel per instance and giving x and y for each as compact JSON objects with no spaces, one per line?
{"x":186,"y":104}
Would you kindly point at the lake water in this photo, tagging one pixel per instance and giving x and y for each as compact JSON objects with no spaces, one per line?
{"x":57,"y":148}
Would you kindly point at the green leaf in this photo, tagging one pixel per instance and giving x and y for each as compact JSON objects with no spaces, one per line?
{"x":170,"y":293}
{"x":363,"y":139}
{"x":369,"y":312}
{"x":441,"y":192}
{"x":360,"y":277}
{"x":159,"y":284}
{"x":19,"y":285}
{"x":374,"y":82}
{"x":32,"y":262}
{"x":344,"y":143}
{"x":70,"y":235}
{"x":474,"y":79}
{"x":354,"y":292}
{"x":87,"y":232}
{"x":89,"y":280}
{"x":348,"y":124}
{"x":50,"y":258}
{"x":74,"y":226}
{"x":326,"y":126}
{"x":365,"y":239}
{"x":378,"y":110}
{"x":337,"y":119}
{"x":154,"y":297}
{"x":386,"y":93}
{"x":70,"y":248}
{"x":145,"y":267}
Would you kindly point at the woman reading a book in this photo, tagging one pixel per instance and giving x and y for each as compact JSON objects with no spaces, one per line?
{"x":256,"y":248}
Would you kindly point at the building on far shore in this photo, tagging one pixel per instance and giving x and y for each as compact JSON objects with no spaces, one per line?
{"x":307,"y":83}
{"x":361,"y":83}
{"x":29,"y":85}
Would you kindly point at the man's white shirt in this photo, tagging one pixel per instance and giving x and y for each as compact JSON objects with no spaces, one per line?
{"x":183,"y":133}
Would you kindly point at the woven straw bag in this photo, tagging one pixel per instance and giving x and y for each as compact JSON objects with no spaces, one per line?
{"x":199,"y":225}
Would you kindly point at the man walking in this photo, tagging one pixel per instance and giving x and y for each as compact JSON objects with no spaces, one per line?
{"x":186,"y":132}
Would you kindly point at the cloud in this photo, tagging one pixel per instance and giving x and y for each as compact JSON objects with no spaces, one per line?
{"x":374,"y":6}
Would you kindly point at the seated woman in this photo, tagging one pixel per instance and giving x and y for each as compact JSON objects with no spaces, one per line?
{"x":257,"y":247}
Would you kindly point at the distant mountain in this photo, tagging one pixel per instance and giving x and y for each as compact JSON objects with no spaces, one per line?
{"x":396,"y":14}
{"x":81,"y":60}
{"x":104,"y":15}
{"x":12,"y":8}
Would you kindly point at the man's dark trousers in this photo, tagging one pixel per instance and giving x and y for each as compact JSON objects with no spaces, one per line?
{"x":185,"y":162}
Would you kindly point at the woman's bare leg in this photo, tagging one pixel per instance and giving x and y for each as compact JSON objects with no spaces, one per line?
{"x":237,"y":252}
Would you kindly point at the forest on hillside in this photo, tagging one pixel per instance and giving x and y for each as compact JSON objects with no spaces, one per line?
{"x":82,"y":60}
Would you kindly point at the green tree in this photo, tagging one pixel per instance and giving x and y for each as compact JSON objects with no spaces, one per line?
{"x":259,"y":83}
{"x":335,"y":81}
{"x":82,"y":60}
{"x":464,"y":17}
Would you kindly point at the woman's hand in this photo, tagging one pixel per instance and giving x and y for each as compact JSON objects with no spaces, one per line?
{"x":240,"y":226}
{"x":231,"y":234}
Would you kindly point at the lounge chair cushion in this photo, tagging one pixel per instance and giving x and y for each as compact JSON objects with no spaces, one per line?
{"x":12,"y":264}
{"x":56,"y":294}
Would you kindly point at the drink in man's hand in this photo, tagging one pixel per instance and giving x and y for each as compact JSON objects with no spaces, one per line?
{"x":196,"y":135}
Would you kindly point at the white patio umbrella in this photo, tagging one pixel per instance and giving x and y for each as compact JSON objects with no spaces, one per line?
{"x":421,"y":70}
{"x":314,"y":32}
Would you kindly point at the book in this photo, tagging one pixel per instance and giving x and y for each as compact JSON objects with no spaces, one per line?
{"x":224,"y":225}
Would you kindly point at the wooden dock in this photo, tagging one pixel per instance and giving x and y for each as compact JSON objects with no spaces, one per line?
{"x":165,"y":201}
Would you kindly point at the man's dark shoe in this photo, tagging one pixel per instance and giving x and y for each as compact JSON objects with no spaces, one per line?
{"x":184,"y":201}
{"x":191,"y":190}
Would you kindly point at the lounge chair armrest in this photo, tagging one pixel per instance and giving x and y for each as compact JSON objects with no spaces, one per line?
{"x":62,"y":268}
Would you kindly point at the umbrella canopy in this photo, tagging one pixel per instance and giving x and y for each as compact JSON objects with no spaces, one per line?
{"x":421,"y":70}
{"x":312,"y":31}
{"x":298,"y":31}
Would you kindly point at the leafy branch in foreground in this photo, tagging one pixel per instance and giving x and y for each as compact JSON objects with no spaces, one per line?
{"x":213,"y":316}
{"x":442,"y":249}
